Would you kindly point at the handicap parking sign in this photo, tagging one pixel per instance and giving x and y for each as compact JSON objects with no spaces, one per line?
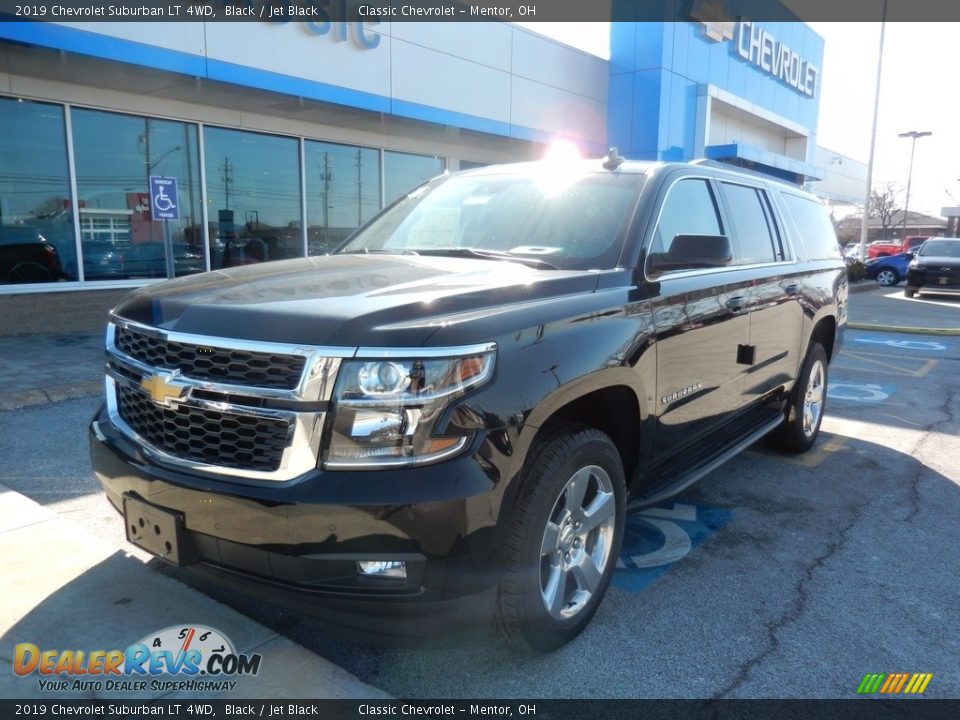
{"x":163,"y":198}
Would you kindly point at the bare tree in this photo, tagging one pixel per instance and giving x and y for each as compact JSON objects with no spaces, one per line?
{"x":884,"y":204}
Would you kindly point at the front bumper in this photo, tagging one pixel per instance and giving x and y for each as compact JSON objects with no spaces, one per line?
{"x":297,"y":543}
{"x":932,"y":280}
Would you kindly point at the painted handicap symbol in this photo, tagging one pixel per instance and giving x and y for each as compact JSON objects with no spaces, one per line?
{"x":866,"y":393}
{"x":656,"y":538}
{"x":906,"y":344}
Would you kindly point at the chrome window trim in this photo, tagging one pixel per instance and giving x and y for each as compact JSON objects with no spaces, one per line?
{"x":670,"y":275}
{"x":731,"y":177}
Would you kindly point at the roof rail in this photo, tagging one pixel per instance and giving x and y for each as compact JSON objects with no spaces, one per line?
{"x":729,"y":167}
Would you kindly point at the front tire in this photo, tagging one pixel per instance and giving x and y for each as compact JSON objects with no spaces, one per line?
{"x":909,"y":292}
{"x":799,"y":430}
{"x":564,"y":538}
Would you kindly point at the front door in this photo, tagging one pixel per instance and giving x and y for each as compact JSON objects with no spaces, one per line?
{"x":701,"y":318}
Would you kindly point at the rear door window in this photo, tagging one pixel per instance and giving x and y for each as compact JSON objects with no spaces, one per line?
{"x":754,"y":235}
{"x":816,"y":230}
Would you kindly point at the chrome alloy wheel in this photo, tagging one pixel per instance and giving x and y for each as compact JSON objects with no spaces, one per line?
{"x":813,"y":399}
{"x":576,"y":542}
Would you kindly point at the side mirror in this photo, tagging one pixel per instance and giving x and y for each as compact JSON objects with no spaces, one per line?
{"x":910,"y":254}
{"x":688,"y":252}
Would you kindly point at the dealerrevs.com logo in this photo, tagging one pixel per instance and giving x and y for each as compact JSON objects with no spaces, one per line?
{"x":182,"y":658}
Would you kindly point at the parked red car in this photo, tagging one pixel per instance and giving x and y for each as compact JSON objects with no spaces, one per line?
{"x":883,"y":248}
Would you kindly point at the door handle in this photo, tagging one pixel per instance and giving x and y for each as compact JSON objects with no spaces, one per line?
{"x":791,"y":289}
{"x":736,"y":303}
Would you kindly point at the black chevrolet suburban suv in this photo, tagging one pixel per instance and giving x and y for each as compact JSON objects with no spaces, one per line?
{"x":446,"y":420}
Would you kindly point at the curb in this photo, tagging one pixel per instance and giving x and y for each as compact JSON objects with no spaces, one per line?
{"x":862,"y":286}
{"x":897,"y":328}
{"x":54,"y":394}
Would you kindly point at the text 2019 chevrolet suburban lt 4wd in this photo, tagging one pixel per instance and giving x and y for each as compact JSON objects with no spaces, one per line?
{"x":453,"y":412}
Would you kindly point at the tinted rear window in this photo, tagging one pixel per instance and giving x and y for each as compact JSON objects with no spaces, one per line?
{"x":816,"y":230}
{"x":941,"y":248}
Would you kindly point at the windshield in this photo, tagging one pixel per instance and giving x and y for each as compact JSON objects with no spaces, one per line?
{"x":571,"y":222}
{"x":941,"y":248}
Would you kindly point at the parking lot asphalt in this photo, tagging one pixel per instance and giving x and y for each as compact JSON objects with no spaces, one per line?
{"x":887,"y":308}
{"x":827,"y":565}
{"x":774,"y":576}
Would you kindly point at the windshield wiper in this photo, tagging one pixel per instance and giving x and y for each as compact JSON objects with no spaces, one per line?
{"x":368,"y":251}
{"x":487,"y":255}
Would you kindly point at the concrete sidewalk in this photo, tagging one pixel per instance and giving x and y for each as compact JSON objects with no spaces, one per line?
{"x":64,"y":588}
{"x":38,"y":369}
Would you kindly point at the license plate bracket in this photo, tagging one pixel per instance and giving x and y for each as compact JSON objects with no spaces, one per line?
{"x":157,"y":530}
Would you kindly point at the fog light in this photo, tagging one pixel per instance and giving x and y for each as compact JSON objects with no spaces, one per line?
{"x":383,"y":568}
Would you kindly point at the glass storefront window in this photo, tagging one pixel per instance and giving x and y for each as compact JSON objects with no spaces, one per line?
{"x":36,"y":226}
{"x":253,"y":196}
{"x":403,"y":172}
{"x":115,"y":156}
{"x":343,"y":192}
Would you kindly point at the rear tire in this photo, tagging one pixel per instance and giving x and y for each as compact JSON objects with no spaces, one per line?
{"x":887,"y":277}
{"x":29,"y":271}
{"x":909,"y":292}
{"x":806,"y":405}
{"x":564,"y":538}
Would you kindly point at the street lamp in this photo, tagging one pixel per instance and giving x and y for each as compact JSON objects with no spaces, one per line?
{"x":914,"y":134}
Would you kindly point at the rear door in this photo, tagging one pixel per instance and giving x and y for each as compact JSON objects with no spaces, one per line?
{"x":772,"y":354}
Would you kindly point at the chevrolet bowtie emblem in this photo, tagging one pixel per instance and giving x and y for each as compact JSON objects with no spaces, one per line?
{"x":163,"y":388}
{"x":712,"y":15}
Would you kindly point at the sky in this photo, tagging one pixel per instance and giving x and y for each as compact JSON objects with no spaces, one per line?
{"x":918,"y":91}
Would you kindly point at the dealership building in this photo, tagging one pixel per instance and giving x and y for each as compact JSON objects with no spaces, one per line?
{"x":283,"y":138}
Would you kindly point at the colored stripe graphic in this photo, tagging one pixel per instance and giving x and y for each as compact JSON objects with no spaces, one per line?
{"x":890,"y":682}
{"x":922,"y":680}
{"x":894,"y":683}
{"x":870,"y":683}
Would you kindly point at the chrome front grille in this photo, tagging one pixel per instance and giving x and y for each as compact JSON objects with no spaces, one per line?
{"x":209,"y":436}
{"x":220,"y":406}
{"x":205,"y":362}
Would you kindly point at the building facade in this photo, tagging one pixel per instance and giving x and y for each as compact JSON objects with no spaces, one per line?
{"x":283,"y":138}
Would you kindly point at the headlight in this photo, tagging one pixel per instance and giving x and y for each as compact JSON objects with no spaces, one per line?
{"x":386,"y":410}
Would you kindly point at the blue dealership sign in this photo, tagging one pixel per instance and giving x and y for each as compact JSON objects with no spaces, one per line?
{"x":163,"y":198}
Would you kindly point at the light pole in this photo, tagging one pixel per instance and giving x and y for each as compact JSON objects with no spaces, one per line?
{"x":914,"y":134}
{"x":873,"y":141}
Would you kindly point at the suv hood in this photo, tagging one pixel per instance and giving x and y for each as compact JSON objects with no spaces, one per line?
{"x":930,"y":261}
{"x":345,"y":300}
